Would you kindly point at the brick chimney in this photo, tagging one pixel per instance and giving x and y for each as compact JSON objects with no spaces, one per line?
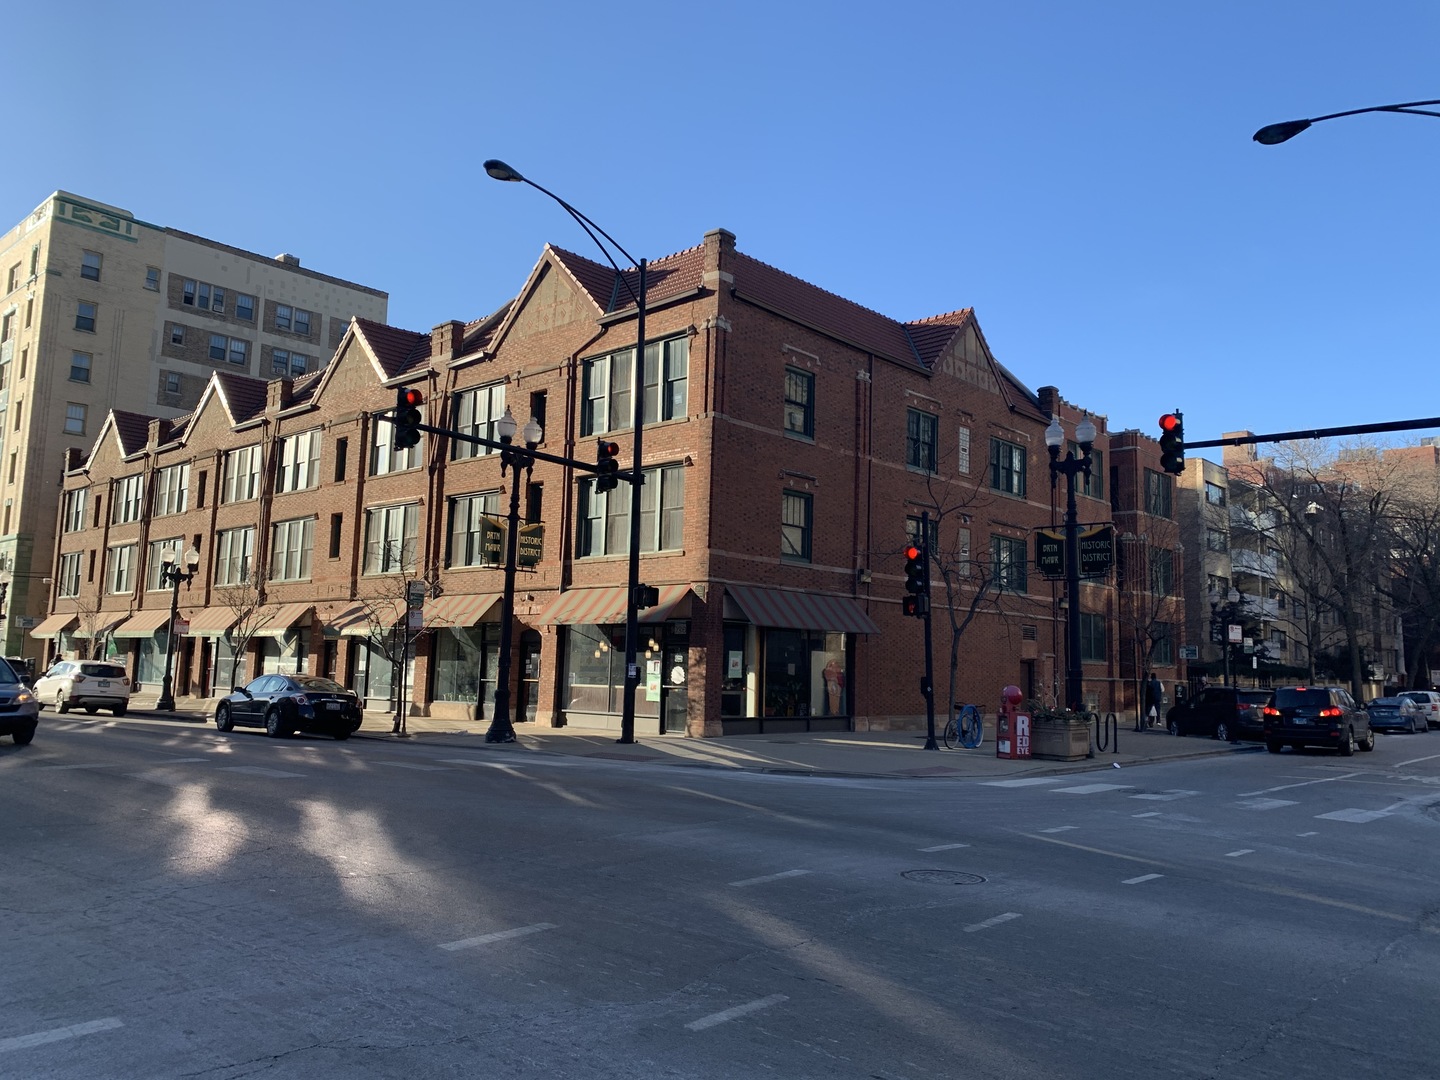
{"x":159,"y":433}
{"x":74,"y":458}
{"x":719,"y":247}
{"x":1049,"y":400}
{"x":278,"y":394}
{"x":447,"y":340}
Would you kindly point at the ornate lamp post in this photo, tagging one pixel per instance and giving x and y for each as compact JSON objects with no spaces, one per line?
{"x":500,"y":171}
{"x":1070,"y":467}
{"x":1273,"y":134}
{"x":172,"y":575}
{"x":502,"y":728}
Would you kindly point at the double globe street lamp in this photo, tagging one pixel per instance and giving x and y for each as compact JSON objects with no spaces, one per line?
{"x":172,"y":575}
{"x":1071,"y":466}
{"x":513,"y":458}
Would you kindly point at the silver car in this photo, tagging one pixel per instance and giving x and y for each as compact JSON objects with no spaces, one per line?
{"x":1429,"y":702}
{"x":91,"y":685}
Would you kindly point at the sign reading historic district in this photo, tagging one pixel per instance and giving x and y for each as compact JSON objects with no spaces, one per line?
{"x":1097,"y":551}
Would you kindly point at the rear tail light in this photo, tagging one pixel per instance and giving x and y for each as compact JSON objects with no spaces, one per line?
{"x":1270,"y":710}
{"x":77,"y":678}
{"x":1330,"y":711}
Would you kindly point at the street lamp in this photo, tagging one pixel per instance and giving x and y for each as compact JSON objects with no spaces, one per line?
{"x":1222,"y":616}
{"x":1070,"y":467}
{"x":172,"y":575}
{"x":502,"y":729}
{"x":1273,"y":134}
{"x":500,"y":171}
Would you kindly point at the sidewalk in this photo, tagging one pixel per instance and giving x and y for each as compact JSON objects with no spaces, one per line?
{"x":892,"y":754}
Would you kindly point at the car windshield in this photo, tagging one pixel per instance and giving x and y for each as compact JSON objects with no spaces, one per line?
{"x":1302,"y":698}
{"x":315,"y":684}
{"x":7,"y":675}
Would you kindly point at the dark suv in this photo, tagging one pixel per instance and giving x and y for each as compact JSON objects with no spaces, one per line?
{"x":1221,"y":712}
{"x":1316,"y":716}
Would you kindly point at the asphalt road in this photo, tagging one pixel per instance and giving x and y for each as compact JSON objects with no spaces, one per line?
{"x":190,"y":904}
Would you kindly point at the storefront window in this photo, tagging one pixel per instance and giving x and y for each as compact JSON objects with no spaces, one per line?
{"x":467,"y":661}
{"x":595,"y":669}
{"x":738,"y":662}
{"x":150,"y":664}
{"x":229,"y":669}
{"x":288,"y":655}
{"x":805,"y":674}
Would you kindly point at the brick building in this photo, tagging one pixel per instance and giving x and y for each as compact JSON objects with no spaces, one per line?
{"x":793,"y":441}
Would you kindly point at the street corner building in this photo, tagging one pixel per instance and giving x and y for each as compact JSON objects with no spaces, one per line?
{"x":793,"y":443}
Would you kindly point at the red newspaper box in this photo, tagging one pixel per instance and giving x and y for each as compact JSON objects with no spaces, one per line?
{"x":1012,"y":727}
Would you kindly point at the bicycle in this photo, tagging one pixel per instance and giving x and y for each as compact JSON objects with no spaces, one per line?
{"x":965,"y":729}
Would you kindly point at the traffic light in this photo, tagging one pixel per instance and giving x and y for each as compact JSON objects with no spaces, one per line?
{"x":607,"y":468}
{"x":1172,"y":442}
{"x":917,"y":582}
{"x":407,"y":417}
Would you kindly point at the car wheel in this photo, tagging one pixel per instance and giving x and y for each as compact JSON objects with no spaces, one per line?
{"x":1347,"y":743}
{"x":342,"y":734}
{"x":22,"y":738}
{"x":1222,"y":732}
{"x":92,"y":709}
{"x":61,"y":705}
{"x":223,"y":720}
{"x":1369,"y":743}
{"x":1174,"y":726}
{"x":1273,"y":747}
{"x":119,"y":710}
{"x":275,"y":724}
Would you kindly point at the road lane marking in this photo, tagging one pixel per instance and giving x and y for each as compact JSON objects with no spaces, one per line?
{"x":944,"y":847}
{"x":1267,"y":804}
{"x":39,"y":1038}
{"x":1353,"y":814}
{"x":1060,"y":828}
{"x":1094,"y":850}
{"x":1090,"y":789}
{"x":1166,"y":796}
{"x":1141,"y":878}
{"x":1024,"y":781}
{"x":767,"y":877}
{"x":257,"y":770}
{"x":1312,"y":832}
{"x":57,"y":768}
{"x":1416,"y":761}
{"x":1242,"y":851}
{"x":1148,"y":813}
{"x":498,"y":935}
{"x":412,"y":765}
{"x":996,"y":921}
{"x":1303,"y":783}
{"x":738,"y":1011}
{"x":160,"y":776}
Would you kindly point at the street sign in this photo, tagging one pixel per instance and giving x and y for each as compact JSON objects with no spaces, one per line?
{"x":492,"y":541}
{"x":416,"y":619}
{"x":1237,"y":633}
{"x":1050,"y":553}
{"x":415,"y":593}
{"x":1097,"y":551}
{"x":182,"y":626}
{"x":530,"y":544}
{"x":1189,"y":652}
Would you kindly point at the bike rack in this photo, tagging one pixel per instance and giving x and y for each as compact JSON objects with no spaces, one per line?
{"x":1107,"y":733}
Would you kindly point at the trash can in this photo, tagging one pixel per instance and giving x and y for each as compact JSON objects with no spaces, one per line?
{"x":1012,"y":726}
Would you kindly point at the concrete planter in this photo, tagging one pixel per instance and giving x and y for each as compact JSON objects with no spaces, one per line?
{"x":1059,"y":740}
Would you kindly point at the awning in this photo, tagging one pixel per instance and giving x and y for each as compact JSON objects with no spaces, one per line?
{"x":143,"y":624}
{"x":358,"y":619}
{"x":212,"y":622}
{"x":100,"y":624}
{"x":596,"y":607}
{"x":55,"y":625}
{"x":789,"y":610}
{"x":460,"y":610}
{"x":277,"y":622}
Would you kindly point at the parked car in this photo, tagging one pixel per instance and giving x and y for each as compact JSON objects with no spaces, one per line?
{"x":24,"y":668}
{"x":1221,"y":712}
{"x":1429,"y":702}
{"x":1396,"y":714}
{"x":1316,"y":716}
{"x":284,"y":704}
{"x":91,"y":685}
{"x":19,"y":711}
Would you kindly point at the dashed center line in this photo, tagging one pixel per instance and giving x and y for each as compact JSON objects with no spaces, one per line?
{"x":1060,"y":828}
{"x":1268,"y":804}
{"x":39,"y":1038}
{"x":257,"y":770}
{"x":738,"y":1011}
{"x":767,"y":877}
{"x":1148,"y":813}
{"x":1237,"y":854}
{"x":1090,"y":789}
{"x":1141,"y":878}
{"x":944,"y":847}
{"x":996,"y":921}
{"x":1354,"y":814}
{"x":498,"y":935}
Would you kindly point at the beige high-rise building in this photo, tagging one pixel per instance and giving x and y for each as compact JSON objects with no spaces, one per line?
{"x":101,"y":311}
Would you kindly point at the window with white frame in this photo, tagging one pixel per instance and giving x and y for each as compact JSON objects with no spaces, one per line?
{"x":296,"y":320}
{"x":120,"y":569}
{"x":85,"y":316}
{"x":467,"y":513}
{"x":299,"y":462}
{"x":172,"y":490}
{"x":73,"y":519}
{"x":391,"y":533}
{"x":80,"y":363}
{"x":1008,"y":563}
{"x":604,"y":516}
{"x":234,"y":553}
{"x":128,"y":500}
{"x":962,"y":450}
{"x":797,"y":525}
{"x":172,"y":382}
{"x":922,"y":433}
{"x":152,"y":278}
{"x":70,"y":573}
{"x":75,"y":415}
{"x":90,"y":265}
{"x":384,"y":457}
{"x":302,"y":321}
{"x":475,"y":414}
{"x":155,"y":562}
{"x":245,"y":307}
{"x":242,"y":475}
{"x":608,"y":380}
{"x":291,"y":545}
{"x":799,"y":403}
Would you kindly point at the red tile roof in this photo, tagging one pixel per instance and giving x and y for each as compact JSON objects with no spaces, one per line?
{"x":244,"y":396}
{"x":397,"y":351}
{"x":132,"y":429}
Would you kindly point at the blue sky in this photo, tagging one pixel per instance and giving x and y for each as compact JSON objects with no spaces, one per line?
{"x":1081,"y":174}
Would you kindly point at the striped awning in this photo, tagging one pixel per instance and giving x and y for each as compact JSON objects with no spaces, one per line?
{"x":459,"y":610}
{"x":101,"y":624}
{"x":357,"y":619}
{"x":143,"y":624}
{"x":55,"y":625}
{"x":596,"y":607}
{"x":277,"y":622}
{"x":212,"y":622}
{"x":789,"y":610}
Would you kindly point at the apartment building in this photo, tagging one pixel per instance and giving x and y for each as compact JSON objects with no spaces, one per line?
{"x":793,"y":442}
{"x":100,"y":310}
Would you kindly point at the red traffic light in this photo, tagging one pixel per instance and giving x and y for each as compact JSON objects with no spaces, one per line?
{"x":606,"y":450}
{"x":1169,"y":422}
{"x":912,"y":552}
{"x":412,"y":397}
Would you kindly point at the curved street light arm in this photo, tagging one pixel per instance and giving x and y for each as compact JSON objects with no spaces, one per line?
{"x":1273,"y":134}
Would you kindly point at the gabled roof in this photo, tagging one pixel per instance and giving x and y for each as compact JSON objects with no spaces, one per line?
{"x":131,"y":429}
{"x":612,"y":292}
{"x":396,"y":351}
{"x":243,"y":396}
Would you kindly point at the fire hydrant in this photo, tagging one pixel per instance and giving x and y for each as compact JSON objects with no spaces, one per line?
{"x":1012,"y":727}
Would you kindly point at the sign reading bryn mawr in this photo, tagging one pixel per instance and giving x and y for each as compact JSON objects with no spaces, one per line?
{"x":1050,"y":553}
{"x":1097,"y":551}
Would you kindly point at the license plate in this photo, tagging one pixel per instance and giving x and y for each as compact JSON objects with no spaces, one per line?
{"x":104,"y":684}
{"x":1301,"y":720}
{"x":334,"y":704}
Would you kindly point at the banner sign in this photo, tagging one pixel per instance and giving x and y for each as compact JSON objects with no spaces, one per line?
{"x":1050,"y":553}
{"x":530,"y":545}
{"x":492,"y":541}
{"x":1097,"y":551}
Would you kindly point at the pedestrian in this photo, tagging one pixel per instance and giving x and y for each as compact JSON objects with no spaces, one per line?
{"x":1142,"y":714}
{"x":1154,"y":695}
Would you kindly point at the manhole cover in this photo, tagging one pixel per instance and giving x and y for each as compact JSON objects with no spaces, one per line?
{"x":942,"y":877}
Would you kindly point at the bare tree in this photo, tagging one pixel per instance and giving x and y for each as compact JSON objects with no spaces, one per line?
{"x":1412,"y":582}
{"x":1148,"y":583}
{"x":94,"y":624}
{"x":386,"y":614}
{"x":246,"y":600}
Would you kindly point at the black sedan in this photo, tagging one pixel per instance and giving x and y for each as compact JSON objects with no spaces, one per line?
{"x":284,"y":704}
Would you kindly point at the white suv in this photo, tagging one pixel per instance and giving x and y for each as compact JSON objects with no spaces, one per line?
{"x":1429,"y":702}
{"x":88,"y":684}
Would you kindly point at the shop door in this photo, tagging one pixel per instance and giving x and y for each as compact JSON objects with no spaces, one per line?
{"x":675,"y":695}
{"x":529,"y":675}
